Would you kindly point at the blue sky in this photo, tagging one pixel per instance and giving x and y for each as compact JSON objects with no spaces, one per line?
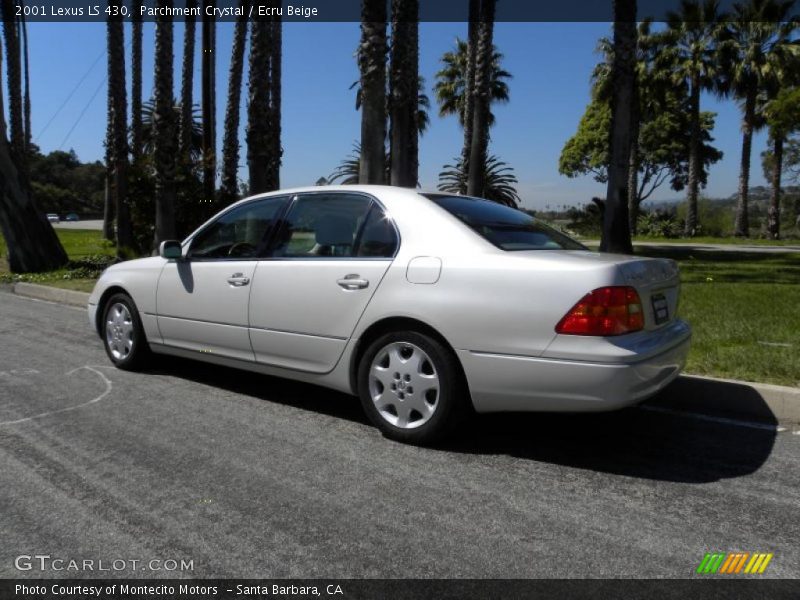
{"x":551,"y":64}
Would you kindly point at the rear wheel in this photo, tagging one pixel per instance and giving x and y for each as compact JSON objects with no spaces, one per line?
{"x":411,"y":387}
{"x":123,"y":334}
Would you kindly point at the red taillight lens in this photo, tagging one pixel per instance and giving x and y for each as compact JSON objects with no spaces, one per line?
{"x":604,"y":311}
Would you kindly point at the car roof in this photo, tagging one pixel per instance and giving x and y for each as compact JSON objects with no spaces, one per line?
{"x":385,"y":193}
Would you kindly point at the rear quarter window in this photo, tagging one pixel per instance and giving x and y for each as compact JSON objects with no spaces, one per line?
{"x":505,"y":227}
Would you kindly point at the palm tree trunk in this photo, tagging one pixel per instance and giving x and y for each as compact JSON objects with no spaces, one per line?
{"x":164,"y":149}
{"x":476,"y":177}
{"x":136,"y":81}
{"x":187,"y":83}
{"x":26,"y":101}
{"x":14,"y":75}
{"x":694,"y":158}
{"x":616,"y":235}
{"x":469,"y":85}
{"x":774,"y":212}
{"x":258,"y":107}
{"x":119,"y":130}
{"x":230,"y":140}
{"x":633,"y":184}
{"x":275,"y":150}
{"x":108,"y":204}
{"x":209,"y":93}
{"x":372,"y":67}
{"x":633,"y":165}
{"x":4,"y":132}
{"x":742,"y":224}
{"x":32,"y":243}
{"x":404,"y":74}
{"x":414,"y":110}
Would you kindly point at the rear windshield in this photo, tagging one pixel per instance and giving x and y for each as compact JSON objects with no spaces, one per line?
{"x":505,"y":227}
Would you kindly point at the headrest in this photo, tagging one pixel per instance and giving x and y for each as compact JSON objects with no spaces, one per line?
{"x":334,"y":230}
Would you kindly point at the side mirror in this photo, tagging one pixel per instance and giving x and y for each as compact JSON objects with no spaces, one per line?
{"x":170,"y":249}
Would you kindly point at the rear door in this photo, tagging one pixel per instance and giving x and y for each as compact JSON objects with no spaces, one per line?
{"x":327,"y":260}
{"x":202,"y":299}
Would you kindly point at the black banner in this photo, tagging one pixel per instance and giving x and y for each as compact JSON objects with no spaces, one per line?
{"x":400,"y":589}
{"x":342,"y":10}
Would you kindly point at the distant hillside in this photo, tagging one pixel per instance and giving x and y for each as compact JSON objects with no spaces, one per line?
{"x":757,"y":195}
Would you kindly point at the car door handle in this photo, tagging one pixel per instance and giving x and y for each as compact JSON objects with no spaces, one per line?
{"x":352,"y":282}
{"x":238,"y":280}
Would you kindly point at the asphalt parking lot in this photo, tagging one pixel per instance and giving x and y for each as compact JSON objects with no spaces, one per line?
{"x":250,"y":476}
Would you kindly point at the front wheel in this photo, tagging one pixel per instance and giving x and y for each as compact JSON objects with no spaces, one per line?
{"x":411,"y":387}
{"x":123,"y":334}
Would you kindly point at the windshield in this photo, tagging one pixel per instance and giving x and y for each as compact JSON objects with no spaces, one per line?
{"x":505,"y":227}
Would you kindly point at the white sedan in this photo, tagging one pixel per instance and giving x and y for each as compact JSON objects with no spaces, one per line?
{"x":426,"y":305}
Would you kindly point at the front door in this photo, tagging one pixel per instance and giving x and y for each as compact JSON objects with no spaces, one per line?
{"x":202,"y":299}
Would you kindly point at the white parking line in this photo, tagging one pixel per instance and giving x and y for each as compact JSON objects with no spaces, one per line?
{"x":105,"y":379}
{"x":721,"y":420}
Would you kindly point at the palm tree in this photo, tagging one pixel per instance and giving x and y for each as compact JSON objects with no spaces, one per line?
{"x":275,"y":80}
{"x":230,"y":140}
{"x":484,"y":54}
{"x":372,"y":92}
{"x":209,"y":92}
{"x":349,"y":170}
{"x":119,"y":130}
{"x":403,"y":92}
{"x":14,"y":75}
{"x":263,"y":109}
{"x":616,"y":229}
{"x":165,"y":129}
{"x":499,"y":177}
{"x":782,"y":114}
{"x":149,"y":129}
{"x":691,"y":56}
{"x":26,"y":101}
{"x":756,"y":42}
{"x":652,"y":96}
{"x":108,"y":204}
{"x":469,"y":81}
{"x":31,"y":241}
{"x":187,"y":83}
{"x":451,"y":83}
{"x":136,"y":81}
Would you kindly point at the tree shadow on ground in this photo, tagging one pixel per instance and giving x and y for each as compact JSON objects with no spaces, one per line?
{"x":643,"y":442}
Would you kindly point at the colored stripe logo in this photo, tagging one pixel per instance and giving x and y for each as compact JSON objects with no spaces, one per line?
{"x":734,"y":563}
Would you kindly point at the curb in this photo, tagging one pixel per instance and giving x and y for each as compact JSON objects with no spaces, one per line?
{"x":730,"y":398}
{"x":709,"y":396}
{"x":51,"y":294}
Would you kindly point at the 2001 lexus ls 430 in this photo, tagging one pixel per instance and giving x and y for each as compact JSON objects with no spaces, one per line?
{"x":423,"y":304}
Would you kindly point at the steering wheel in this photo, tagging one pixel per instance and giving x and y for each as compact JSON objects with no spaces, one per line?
{"x":240,"y":249}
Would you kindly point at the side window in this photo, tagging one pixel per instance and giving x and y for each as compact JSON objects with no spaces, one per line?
{"x":378,"y":237}
{"x":322,"y":225}
{"x":239,"y":232}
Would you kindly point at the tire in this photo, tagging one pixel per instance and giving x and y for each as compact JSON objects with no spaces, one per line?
{"x":412,"y":388}
{"x":123,"y":335}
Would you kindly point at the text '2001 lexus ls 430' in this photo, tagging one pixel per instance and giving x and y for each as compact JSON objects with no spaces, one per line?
{"x":425,"y":305}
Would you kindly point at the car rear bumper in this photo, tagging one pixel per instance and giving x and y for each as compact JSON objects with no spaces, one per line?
{"x":501,"y":383}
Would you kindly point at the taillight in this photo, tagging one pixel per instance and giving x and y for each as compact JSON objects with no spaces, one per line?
{"x":604,"y":311}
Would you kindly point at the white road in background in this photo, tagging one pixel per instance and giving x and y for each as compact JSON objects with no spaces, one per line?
{"x":95,"y":225}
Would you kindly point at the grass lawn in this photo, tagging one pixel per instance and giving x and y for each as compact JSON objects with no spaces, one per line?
{"x":81,"y":245}
{"x":743,"y":306}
